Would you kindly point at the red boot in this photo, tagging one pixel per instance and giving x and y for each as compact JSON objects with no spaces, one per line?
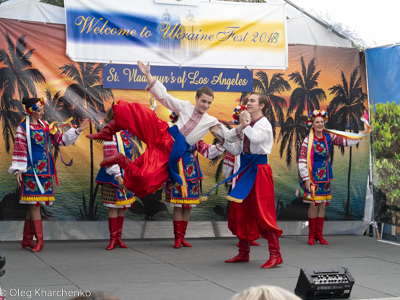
{"x":318,"y":231}
{"x":113,"y":228}
{"x":106,"y":133}
{"x":120,"y":243}
{"x":29,"y":232}
{"x":184,"y":242}
{"x":37,"y":225}
{"x":118,"y":159}
{"x":178,"y":233}
{"x":312,"y":224}
{"x":275,"y":257}
{"x":243,"y":256}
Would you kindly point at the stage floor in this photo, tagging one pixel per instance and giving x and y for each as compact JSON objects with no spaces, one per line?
{"x":153,"y":269}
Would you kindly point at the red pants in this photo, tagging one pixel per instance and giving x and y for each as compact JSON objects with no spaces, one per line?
{"x":149,"y":171}
{"x":256,"y":215}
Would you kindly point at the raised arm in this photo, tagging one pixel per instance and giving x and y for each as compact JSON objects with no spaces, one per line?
{"x":235,"y":134}
{"x":258,"y":134}
{"x":68,"y":137}
{"x":158,"y":91}
{"x":342,"y":142}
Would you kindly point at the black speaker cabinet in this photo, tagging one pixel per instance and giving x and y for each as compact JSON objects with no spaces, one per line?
{"x":324,"y":283}
{"x":2,"y":262}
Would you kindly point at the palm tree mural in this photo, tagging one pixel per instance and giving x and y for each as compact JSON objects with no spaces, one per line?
{"x":57,"y":108}
{"x":86,"y":98}
{"x":278,"y":84}
{"x":305,"y":98}
{"x":86,"y":95}
{"x":346,"y":109}
{"x":17,"y":78}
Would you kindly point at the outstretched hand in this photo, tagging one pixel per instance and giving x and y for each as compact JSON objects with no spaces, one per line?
{"x":82,"y":127}
{"x":365,"y":131}
{"x":145,"y":71}
{"x":143,"y":68}
{"x":214,"y":131}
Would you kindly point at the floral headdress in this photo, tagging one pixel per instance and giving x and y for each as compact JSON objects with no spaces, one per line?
{"x":314,"y":114}
{"x":173,"y":117}
{"x":236,"y":113}
{"x":29,"y":110}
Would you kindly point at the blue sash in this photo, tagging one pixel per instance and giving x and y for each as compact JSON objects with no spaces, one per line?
{"x":248,"y":166}
{"x":177,"y":151}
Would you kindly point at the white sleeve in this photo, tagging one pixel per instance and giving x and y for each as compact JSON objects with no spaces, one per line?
{"x":230,"y":135}
{"x":302,"y":162}
{"x":209,"y":151}
{"x":259,"y":134}
{"x":158,"y":91}
{"x":20,"y":153}
{"x":234,"y":148}
{"x":70,"y":136}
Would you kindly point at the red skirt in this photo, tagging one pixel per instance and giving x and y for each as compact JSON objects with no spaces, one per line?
{"x":256,"y":215}
{"x":149,"y":171}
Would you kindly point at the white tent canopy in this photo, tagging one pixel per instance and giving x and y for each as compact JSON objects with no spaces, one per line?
{"x":369,"y":23}
{"x":301,"y":29}
{"x":32,"y":10}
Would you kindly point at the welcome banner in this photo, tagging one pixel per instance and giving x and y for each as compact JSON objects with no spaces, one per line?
{"x":178,"y":79}
{"x":212,"y":34}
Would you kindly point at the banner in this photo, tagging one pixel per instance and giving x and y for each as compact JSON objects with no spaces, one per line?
{"x":179,"y":2}
{"x":212,"y":34}
{"x":383,"y":68}
{"x":178,"y":79}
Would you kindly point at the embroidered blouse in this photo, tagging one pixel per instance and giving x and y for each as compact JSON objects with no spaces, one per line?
{"x":20,"y":152}
{"x":258,"y":134}
{"x":302,"y":161}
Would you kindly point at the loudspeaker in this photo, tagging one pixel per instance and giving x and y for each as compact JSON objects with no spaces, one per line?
{"x":2,"y":262}
{"x":324,"y":283}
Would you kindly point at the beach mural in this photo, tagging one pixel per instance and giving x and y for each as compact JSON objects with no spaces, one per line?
{"x":33,"y":63}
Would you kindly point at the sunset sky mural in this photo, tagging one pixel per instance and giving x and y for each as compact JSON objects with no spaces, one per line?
{"x":47,"y":43}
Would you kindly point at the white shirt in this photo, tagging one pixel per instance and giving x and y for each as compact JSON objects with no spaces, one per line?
{"x":260,"y":136}
{"x":192,"y":124}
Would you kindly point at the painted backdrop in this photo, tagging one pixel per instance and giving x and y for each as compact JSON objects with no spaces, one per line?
{"x":33,"y":63}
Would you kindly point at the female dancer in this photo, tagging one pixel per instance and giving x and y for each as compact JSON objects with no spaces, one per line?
{"x":183,"y":202}
{"x":34,"y":168}
{"x":315,"y":170}
{"x":113,"y":192}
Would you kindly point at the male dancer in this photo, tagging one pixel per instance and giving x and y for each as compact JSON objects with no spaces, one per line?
{"x":170,"y":151}
{"x":252,"y":211}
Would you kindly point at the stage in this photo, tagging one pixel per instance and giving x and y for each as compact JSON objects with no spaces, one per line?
{"x":153,"y":269}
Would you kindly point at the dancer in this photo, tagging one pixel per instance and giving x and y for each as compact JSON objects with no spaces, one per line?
{"x":169,"y":151}
{"x":113,"y":192}
{"x":193,"y":176}
{"x":315,"y":171}
{"x":34,"y":167}
{"x":252,"y":211}
{"x":230,"y":164}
